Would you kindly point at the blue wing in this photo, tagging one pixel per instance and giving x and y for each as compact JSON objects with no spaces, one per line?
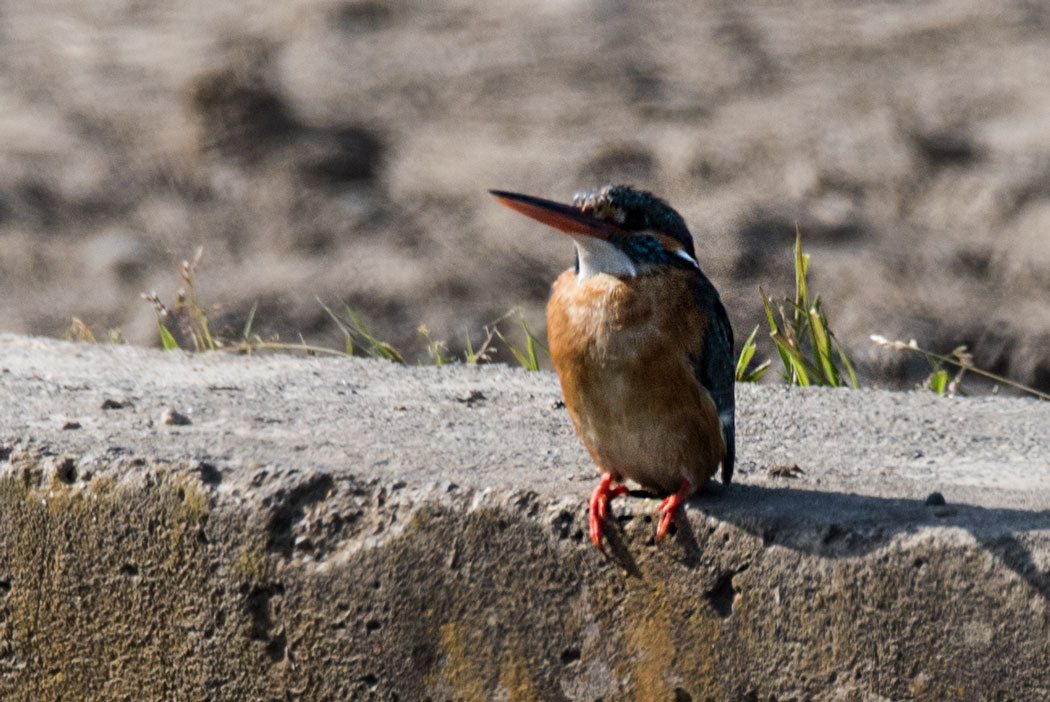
{"x":715,"y":368}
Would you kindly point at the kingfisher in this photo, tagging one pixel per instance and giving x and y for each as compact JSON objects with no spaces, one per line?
{"x":642,"y":346}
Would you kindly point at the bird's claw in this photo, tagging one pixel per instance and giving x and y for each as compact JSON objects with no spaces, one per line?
{"x":669,"y":507}
{"x":600,"y":507}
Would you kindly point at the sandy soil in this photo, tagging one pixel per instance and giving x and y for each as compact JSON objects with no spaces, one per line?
{"x":342,"y":150}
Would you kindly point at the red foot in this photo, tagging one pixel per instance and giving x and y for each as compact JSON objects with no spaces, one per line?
{"x":600,"y":507}
{"x":670,"y":506}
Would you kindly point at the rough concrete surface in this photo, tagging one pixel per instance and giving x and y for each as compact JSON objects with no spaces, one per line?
{"x":343,"y":529}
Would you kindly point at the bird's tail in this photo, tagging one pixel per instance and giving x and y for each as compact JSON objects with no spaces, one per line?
{"x":729,"y":434}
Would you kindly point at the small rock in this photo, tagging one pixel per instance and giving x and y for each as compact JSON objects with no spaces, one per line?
{"x":68,"y":426}
{"x":471,"y":398}
{"x":110,"y":403}
{"x":935,"y":499}
{"x":171,"y":416}
{"x":785,"y":471}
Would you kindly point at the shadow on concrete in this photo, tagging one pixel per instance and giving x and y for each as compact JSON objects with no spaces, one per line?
{"x":842,"y":525}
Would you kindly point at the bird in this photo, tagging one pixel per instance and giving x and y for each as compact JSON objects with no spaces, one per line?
{"x":642,"y":345}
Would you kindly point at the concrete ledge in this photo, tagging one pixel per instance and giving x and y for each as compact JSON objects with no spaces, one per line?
{"x":346,"y":529}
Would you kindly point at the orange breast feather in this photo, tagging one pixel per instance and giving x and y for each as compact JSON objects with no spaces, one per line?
{"x":624,"y":352}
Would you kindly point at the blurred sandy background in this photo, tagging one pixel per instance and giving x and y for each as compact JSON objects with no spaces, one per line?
{"x":342,"y":150}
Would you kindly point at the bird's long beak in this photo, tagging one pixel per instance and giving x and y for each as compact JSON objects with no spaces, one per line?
{"x":564,"y":218}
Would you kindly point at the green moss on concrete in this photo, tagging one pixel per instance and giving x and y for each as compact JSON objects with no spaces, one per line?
{"x":152,"y":587}
{"x":252,"y":566}
{"x":464,"y":662}
{"x":195,"y":502}
{"x":111,"y":587}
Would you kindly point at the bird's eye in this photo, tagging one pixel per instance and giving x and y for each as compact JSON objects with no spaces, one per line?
{"x":632,"y":220}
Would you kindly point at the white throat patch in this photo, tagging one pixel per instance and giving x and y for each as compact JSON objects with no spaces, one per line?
{"x":599,"y":256}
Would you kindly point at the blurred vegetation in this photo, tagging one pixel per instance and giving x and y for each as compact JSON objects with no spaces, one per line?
{"x":809,"y":350}
{"x":804,"y":339}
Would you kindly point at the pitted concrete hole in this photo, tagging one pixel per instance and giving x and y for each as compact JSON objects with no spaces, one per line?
{"x":259,"y":607}
{"x":721,"y":596}
{"x":277,"y":648}
{"x":67,"y":471}
{"x":288,"y":509}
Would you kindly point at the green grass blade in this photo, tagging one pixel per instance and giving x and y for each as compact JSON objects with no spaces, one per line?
{"x":166,"y":339}
{"x":358,"y":324}
{"x":845,"y":362}
{"x":522,"y":360}
{"x":205,"y":333}
{"x":801,"y":287}
{"x":535,"y":339}
{"x":797,"y":363}
{"x":433,"y":346}
{"x":342,"y":327}
{"x":526,"y":359}
{"x":798,"y":373}
{"x":755,"y":375}
{"x":530,"y":346}
{"x":939,"y":381}
{"x":435,"y":352}
{"x":246,"y":332}
{"x":376,"y":348}
{"x":773,"y":333}
{"x":742,"y":361}
{"x":747,"y":352}
{"x":335,"y":318}
{"x":822,"y":347}
{"x":388,"y":352}
{"x":307,"y":349}
{"x":769,"y":311}
{"x":471,"y":359}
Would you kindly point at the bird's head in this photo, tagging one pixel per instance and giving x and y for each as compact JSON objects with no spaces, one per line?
{"x":617,"y":230}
